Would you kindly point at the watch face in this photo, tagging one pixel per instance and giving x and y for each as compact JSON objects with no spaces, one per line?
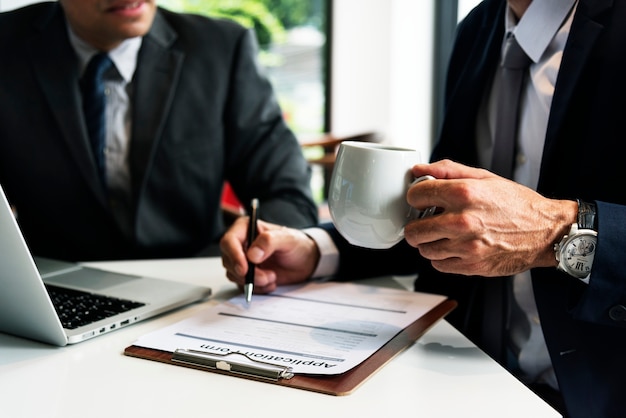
{"x":579,"y":253}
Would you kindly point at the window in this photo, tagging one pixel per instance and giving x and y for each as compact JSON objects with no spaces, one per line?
{"x":465,"y":6}
{"x":292,"y":36}
{"x":447,"y":15}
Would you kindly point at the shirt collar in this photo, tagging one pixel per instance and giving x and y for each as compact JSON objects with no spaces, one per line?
{"x":124,"y":56}
{"x":538,"y":25}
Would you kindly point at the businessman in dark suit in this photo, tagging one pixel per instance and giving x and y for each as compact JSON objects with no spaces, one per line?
{"x":196,"y":111}
{"x":491,"y":232}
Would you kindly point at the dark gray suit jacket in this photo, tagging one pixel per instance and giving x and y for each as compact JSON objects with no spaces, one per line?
{"x":584,"y":325}
{"x":202,"y":112}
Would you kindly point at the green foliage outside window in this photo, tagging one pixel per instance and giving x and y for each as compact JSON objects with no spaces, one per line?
{"x":269,"y":18}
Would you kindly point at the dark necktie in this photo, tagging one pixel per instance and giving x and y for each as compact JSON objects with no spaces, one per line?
{"x":514,"y":64}
{"x":94,"y":103}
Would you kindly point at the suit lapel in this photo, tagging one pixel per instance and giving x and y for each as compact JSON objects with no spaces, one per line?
{"x":157,"y":74}
{"x":472,"y":72}
{"x":583,"y":35}
{"x":56,"y":70}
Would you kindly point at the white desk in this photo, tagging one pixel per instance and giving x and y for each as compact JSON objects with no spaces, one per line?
{"x":442,"y":375}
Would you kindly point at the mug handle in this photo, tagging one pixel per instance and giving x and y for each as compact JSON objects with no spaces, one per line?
{"x":419,"y":214}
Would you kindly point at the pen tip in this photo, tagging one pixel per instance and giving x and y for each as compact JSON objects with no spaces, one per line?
{"x":248,"y":291}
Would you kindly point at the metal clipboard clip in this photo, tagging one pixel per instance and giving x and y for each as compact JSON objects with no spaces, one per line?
{"x":243,"y":365}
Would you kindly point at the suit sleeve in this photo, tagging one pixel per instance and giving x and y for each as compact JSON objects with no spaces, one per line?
{"x":359,"y":263}
{"x":606,"y":292}
{"x":264,"y":158}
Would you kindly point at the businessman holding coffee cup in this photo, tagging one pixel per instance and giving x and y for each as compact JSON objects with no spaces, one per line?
{"x":536,"y":262}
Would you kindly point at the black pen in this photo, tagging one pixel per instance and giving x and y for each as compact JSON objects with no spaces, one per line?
{"x":252,"y":230}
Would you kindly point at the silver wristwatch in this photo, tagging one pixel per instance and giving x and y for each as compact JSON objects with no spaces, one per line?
{"x":576,"y":250}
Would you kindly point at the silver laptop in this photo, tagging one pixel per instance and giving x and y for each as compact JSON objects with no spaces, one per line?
{"x":38,"y":295}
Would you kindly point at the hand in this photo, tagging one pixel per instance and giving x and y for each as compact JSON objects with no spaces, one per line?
{"x":485,"y":224}
{"x":282,"y":255}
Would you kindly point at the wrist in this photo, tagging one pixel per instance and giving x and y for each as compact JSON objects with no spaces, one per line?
{"x":326,"y":253}
{"x":564,"y":217}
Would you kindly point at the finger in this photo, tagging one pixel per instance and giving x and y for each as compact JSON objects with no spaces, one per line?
{"x":232,"y":247}
{"x":450,"y":265}
{"x":449,"y":195}
{"x":269,"y":288}
{"x":457,"y":265}
{"x":269,"y":241}
{"x":437,"y":250}
{"x":262,"y":277}
{"x":422,"y":196}
{"x":263,"y":283}
{"x":434,"y":233}
{"x":235,"y":278}
{"x":448,"y":169}
{"x":233,"y":258}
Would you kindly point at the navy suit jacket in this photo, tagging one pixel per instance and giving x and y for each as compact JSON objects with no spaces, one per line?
{"x":202,"y":112}
{"x":584,"y":325}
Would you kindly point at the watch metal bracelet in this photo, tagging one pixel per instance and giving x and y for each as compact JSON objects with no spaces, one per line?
{"x":586,"y":215}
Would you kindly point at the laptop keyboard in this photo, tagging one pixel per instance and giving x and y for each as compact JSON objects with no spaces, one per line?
{"x":77,"y":308}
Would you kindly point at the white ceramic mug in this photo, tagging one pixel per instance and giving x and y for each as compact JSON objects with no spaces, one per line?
{"x":367,"y":196}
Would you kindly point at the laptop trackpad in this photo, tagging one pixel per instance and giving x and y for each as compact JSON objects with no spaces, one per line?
{"x":88,"y":278}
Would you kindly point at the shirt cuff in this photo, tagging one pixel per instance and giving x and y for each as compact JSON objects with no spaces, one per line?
{"x":328,"y":264}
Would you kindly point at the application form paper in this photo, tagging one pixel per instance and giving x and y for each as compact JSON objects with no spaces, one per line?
{"x":316,"y":328}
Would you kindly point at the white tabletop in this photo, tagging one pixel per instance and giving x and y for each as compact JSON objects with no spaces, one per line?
{"x":442,"y":375}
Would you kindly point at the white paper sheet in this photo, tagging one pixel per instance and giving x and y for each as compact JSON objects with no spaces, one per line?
{"x":315,"y":328}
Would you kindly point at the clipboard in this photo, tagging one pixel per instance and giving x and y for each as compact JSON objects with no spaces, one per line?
{"x":338,"y":385}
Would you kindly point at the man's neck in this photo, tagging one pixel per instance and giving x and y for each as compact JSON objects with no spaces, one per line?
{"x":519,"y":7}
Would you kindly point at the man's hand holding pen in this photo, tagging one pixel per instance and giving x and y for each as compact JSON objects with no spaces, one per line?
{"x":278,"y":255}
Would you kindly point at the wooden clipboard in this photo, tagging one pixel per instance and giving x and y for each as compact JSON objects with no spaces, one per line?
{"x":338,"y":385}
